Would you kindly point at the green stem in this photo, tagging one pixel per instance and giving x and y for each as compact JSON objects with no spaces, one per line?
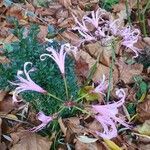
{"x":143,"y":18}
{"x":138,"y":7}
{"x":144,"y":25}
{"x":127,"y":12}
{"x":51,"y":95}
{"x":61,"y":109}
{"x":66,"y":88}
{"x":82,"y":97}
{"x":111,"y":71}
{"x":82,"y":110}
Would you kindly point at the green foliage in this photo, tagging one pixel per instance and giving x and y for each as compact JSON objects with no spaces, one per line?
{"x":47,"y":74}
{"x":107,"y":4}
{"x":142,"y":87}
{"x":131,"y":107}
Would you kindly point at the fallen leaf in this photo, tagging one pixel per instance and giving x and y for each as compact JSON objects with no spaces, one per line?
{"x":86,"y":139}
{"x":31,"y":141}
{"x":2,"y":95}
{"x":147,"y":40}
{"x":71,"y":37}
{"x":90,"y":146}
{"x":43,"y":33}
{"x":144,"y":128}
{"x":2,"y":144}
{"x":112,"y":145}
{"x":65,"y":3}
{"x":127,"y":72}
{"x":62,"y":126}
{"x":104,"y":53}
{"x":143,"y":146}
{"x":143,"y":110}
{"x":81,"y":69}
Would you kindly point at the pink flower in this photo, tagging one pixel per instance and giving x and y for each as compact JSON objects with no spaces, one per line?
{"x":94,"y":19}
{"x":59,"y":58}
{"x":44,"y":119}
{"x":130,"y":37}
{"x":80,"y":25}
{"x":102,"y":86}
{"x":71,"y":49}
{"x":25,"y":84}
{"x":107,"y":115}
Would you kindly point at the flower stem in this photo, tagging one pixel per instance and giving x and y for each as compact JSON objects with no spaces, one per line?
{"x":51,"y":95}
{"x":111,"y":70}
{"x":143,"y":18}
{"x":66,"y":88}
{"x":127,"y":12}
{"x":77,"y":100}
{"x":82,"y":110}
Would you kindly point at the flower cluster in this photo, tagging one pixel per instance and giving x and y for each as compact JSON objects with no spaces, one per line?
{"x":100,"y":29}
{"x":130,"y":37}
{"x":107,"y":116}
{"x":59,"y":57}
{"x":104,"y":29}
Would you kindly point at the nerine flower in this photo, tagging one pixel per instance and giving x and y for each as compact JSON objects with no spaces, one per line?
{"x":102,"y":86}
{"x":58,"y":57}
{"x":108,"y":116}
{"x":94,"y":19}
{"x":130,"y":37}
{"x":44,"y":119}
{"x":100,"y":29}
{"x":71,"y":49}
{"x":25,"y":84}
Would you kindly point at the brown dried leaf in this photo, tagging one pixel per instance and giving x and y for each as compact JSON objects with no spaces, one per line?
{"x":95,"y":50}
{"x":2,"y":95}
{"x":31,"y":141}
{"x":71,"y":37}
{"x":43,"y":33}
{"x":65,"y":3}
{"x":143,"y":146}
{"x":101,"y":69}
{"x":147,"y":40}
{"x":2,"y":144}
{"x":127,"y":72}
{"x":143,"y":110}
{"x":15,"y":11}
{"x":6,"y":104}
{"x":91,"y":146}
{"x":4,"y":60}
{"x":82,"y":69}
{"x":62,"y":126}
{"x":62,"y":13}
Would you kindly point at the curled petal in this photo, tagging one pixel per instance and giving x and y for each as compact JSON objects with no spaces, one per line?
{"x":25,"y":84}
{"x":44,"y":119}
{"x":108,"y":116}
{"x":59,"y":58}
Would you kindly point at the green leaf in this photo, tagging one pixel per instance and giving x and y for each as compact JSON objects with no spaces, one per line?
{"x":91,"y":96}
{"x":8,"y":47}
{"x":85,"y":139}
{"x":144,"y":128}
